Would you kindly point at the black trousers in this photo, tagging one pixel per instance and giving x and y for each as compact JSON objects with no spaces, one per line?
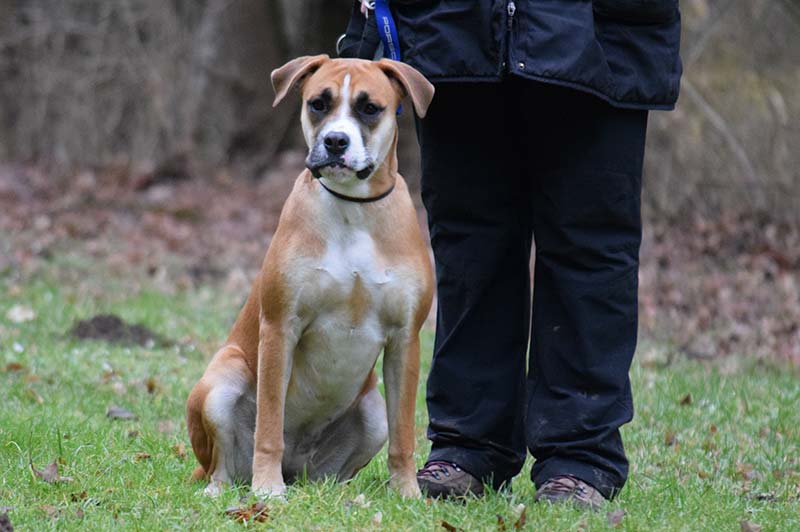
{"x":502,"y":165}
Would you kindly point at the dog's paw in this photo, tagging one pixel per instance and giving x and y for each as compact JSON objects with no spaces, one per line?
{"x":273,"y":491}
{"x":214,"y":489}
{"x":408,"y":489}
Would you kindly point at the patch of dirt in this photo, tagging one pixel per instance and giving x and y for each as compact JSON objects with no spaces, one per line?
{"x":113,"y":329}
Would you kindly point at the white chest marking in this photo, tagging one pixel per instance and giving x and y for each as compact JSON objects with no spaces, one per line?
{"x":352,"y":253}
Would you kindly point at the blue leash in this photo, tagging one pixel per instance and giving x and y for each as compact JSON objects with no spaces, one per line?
{"x":387,"y":30}
{"x":388,"y":33}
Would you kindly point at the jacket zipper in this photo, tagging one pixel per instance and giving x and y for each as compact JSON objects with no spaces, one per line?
{"x":511,"y":9}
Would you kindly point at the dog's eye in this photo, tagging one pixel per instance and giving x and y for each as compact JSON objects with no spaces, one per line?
{"x":318,"y":105}
{"x":371,"y":109}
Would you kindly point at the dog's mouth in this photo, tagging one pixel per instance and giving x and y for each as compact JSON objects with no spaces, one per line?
{"x":337,"y":166}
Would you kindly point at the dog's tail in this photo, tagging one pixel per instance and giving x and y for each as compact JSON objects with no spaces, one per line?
{"x":202,"y":442}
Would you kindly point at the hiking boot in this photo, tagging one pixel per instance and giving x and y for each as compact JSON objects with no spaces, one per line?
{"x":446,"y":479}
{"x":566,"y":488}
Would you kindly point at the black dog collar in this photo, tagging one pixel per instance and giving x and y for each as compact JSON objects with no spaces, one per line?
{"x":358,"y":200}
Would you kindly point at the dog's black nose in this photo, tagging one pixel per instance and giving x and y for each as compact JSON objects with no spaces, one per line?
{"x":336,"y":142}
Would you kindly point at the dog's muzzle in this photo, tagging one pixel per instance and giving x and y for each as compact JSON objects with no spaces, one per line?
{"x":336,"y":162}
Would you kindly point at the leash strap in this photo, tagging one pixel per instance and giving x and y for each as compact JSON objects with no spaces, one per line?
{"x":358,"y":200}
{"x":388,"y":33}
{"x":387,"y":30}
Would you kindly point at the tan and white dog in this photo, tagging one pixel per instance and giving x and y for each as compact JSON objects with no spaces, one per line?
{"x":293,"y":391}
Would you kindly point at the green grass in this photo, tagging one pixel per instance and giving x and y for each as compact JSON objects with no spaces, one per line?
{"x":731,"y":454}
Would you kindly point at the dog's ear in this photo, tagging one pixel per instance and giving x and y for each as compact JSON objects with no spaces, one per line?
{"x":292,"y":73}
{"x":410,"y":82}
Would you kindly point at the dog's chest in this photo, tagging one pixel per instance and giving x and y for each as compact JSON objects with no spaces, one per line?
{"x":350,"y":299}
{"x":352,"y":285}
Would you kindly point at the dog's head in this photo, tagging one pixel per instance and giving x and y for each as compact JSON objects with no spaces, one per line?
{"x":349,"y":112}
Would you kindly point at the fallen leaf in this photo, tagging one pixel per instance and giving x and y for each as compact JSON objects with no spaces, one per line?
{"x":49,"y":509}
{"x":33,"y":394}
{"x":377,"y":519}
{"x":142,"y":456}
{"x":151,"y":384}
{"x":749,"y":526}
{"x":614,"y":517}
{"x":447,"y":526}
{"x":180,"y":450}
{"x":20,"y":314}
{"x":117,"y":412}
{"x":670,"y":438}
{"x":166,"y":426}
{"x":77,"y":497}
{"x":747,"y":472}
{"x":256,"y":512}
{"x":686,"y":399}
{"x":712,"y":429}
{"x":523,"y":517}
{"x":501,"y":523}
{"x":133,"y":434}
{"x":361,"y":500}
{"x":14,"y":366}
{"x":50,"y":473}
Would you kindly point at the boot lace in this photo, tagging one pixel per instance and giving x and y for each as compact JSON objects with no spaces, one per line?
{"x":436,"y":468}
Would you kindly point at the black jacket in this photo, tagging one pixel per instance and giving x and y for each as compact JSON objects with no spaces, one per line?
{"x":624,"y":51}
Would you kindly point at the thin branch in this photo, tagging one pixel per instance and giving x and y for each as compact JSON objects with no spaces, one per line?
{"x":724,"y":129}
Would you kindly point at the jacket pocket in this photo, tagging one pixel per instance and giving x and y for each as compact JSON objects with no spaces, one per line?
{"x":637,"y":11}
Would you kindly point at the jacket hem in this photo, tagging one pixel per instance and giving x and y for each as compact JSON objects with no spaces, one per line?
{"x":555,"y":81}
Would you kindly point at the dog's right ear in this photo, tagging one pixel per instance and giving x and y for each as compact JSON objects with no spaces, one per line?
{"x":292,"y":73}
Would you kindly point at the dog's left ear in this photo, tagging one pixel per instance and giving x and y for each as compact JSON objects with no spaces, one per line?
{"x":292,"y":73}
{"x":411,"y":82}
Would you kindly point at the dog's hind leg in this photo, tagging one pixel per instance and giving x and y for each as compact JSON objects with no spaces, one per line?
{"x":221,"y":418}
{"x":352,"y":440}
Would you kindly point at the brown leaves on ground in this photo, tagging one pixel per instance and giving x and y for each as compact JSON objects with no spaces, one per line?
{"x":141,"y":456}
{"x":450,"y":528}
{"x":614,"y":517}
{"x":50,"y":510}
{"x":118,"y":412}
{"x":749,"y":526}
{"x":522,"y":517}
{"x":713,"y":287}
{"x":257,"y":512}
{"x":50,"y":473}
{"x":723,"y":286}
{"x":180,"y":450}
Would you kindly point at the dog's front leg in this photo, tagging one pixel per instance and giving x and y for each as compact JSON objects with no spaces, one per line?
{"x":400,"y":374}
{"x":274,"y":369}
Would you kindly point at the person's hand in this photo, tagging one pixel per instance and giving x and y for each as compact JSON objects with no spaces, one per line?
{"x":367,"y":6}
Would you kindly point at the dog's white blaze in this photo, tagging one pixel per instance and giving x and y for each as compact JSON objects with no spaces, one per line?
{"x":344,"y":122}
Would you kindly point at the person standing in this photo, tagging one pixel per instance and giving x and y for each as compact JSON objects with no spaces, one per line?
{"x":536,"y":134}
